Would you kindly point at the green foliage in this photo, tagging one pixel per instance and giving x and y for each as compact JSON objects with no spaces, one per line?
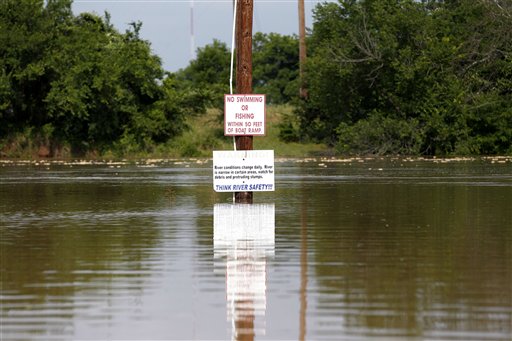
{"x":208,"y":73}
{"x":426,"y":77}
{"x":430,"y":77}
{"x":379,"y":135}
{"x":275,"y":67}
{"x":95,"y":87}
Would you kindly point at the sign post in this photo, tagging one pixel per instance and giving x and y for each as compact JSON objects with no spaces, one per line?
{"x":244,"y":170}
{"x":244,"y":17}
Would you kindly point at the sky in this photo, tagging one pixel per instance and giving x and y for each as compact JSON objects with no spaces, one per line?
{"x":166,"y":24}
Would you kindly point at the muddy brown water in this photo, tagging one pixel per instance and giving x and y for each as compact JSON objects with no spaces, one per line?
{"x":351,"y":249}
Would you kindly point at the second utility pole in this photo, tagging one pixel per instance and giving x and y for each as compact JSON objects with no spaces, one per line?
{"x":244,"y":73}
{"x":303,"y":92}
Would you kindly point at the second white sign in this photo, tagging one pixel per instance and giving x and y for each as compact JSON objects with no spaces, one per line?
{"x":243,"y":171}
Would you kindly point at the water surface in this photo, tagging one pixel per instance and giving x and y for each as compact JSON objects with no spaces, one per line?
{"x":345,"y":249}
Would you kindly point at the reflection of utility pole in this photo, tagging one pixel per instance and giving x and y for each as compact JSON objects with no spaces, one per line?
{"x":245,"y":275}
{"x":244,"y":73}
{"x":244,"y":326}
{"x":243,"y":239}
{"x":302,"y":50}
{"x":303,"y":268}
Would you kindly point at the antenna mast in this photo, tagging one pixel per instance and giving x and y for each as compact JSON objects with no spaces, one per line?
{"x":192,"y":39}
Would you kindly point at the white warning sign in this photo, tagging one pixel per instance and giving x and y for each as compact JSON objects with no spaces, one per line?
{"x":243,"y":171}
{"x":244,"y":115}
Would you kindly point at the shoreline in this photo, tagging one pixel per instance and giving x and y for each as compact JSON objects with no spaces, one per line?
{"x":322,"y":160}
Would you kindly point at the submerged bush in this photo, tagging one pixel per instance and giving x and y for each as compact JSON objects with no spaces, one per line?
{"x":380,"y":135}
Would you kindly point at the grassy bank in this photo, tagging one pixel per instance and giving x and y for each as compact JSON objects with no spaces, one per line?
{"x":204,"y":134}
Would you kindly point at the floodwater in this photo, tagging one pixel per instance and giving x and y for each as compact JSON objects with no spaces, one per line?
{"x":354,"y":249}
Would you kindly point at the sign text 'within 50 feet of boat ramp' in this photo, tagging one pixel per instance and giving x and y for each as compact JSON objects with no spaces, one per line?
{"x":244,"y":115}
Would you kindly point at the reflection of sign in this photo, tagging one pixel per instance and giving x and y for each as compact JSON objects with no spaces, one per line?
{"x":243,"y":171}
{"x":243,"y":238}
{"x":244,"y":115}
{"x":233,"y":224}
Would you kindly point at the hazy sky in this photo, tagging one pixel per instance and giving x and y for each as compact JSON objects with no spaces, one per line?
{"x":166,"y":23}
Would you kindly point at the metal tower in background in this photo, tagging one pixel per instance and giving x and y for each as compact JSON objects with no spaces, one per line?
{"x":192,"y":39}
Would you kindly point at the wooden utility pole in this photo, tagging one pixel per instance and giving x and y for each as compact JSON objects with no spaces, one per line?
{"x":244,"y":73}
{"x":302,"y":50}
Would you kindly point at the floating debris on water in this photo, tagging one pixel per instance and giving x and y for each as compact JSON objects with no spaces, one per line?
{"x":320,"y":161}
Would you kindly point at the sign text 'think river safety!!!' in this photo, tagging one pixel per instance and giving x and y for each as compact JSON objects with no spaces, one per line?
{"x":243,"y":171}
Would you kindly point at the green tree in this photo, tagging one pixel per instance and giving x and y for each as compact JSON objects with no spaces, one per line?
{"x":421,"y":78}
{"x":363,"y":63}
{"x":276,"y":67}
{"x":483,"y":30}
{"x":76,"y":80}
{"x":208,"y":73}
{"x":105,"y":81}
{"x":27,"y":33}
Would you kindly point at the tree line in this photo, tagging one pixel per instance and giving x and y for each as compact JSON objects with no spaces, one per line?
{"x":383,"y":77}
{"x":77,"y":81}
{"x":431,"y":77}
